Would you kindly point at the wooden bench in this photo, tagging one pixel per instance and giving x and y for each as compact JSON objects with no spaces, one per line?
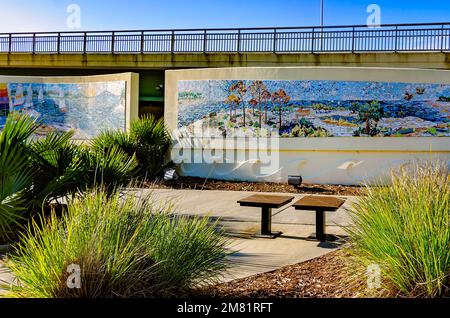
{"x":320,"y":205}
{"x":266,"y":203}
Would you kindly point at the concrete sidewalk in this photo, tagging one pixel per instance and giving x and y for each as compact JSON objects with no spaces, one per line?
{"x":255,"y":255}
{"x":5,"y":277}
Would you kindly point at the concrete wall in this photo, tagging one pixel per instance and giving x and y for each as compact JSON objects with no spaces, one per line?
{"x":341,"y":160}
{"x":131,"y":81}
{"x":129,"y":62}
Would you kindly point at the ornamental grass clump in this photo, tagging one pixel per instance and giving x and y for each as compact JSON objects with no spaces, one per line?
{"x":123,"y":245}
{"x":405,"y":229}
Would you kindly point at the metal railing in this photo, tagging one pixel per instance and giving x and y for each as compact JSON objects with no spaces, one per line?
{"x":354,"y":38}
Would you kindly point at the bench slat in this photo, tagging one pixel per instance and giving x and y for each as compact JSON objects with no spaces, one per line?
{"x":318,"y":203}
{"x":269,"y":201}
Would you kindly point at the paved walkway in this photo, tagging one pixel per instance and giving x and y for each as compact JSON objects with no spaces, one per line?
{"x":256,"y":255}
{"x":4,"y":276}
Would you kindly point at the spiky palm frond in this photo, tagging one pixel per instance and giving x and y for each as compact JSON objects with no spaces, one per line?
{"x":18,"y":129}
{"x":15,"y":178}
{"x":148,"y":139}
{"x":152,"y":140}
{"x":109,"y":139}
{"x":58,"y":167}
{"x":37,"y":171}
{"x":110,"y":169}
{"x":149,"y":130}
{"x":15,"y":175}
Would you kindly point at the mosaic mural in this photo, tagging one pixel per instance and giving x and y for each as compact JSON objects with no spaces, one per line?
{"x":86,"y":108}
{"x":231,"y":108}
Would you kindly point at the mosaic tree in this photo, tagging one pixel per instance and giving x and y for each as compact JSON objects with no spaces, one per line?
{"x":224,"y":86}
{"x":234,"y":102}
{"x":369,"y":113}
{"x":257,"y":90}
{"x":254,"y":103}
{"x":240,"y":89}
{"x":266,"y":96}
{"x":280,"y":98}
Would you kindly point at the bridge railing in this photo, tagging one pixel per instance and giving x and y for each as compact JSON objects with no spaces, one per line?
{"x":353,"y":38}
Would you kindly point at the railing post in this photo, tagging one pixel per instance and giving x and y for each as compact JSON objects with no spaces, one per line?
{"x":172,"y":42}
{"x":142,"y":42}
{"x":58,"y":44}
{"x":34,"y":43}
{"x":353,"y":40}
{"x":85,"y":43}
{"x":313,"y":40}
{"x":321,"y":41}
{"x":442,"y":39}
{"x":10,"y":43}
{"x":275,"y":41}
{"x":205,"y":39}
{"x":396,"y":39}
{"x":113,"y":43}
{"x":239,"y":42}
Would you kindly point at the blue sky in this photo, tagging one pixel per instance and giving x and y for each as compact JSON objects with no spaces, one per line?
{"x":51,"y":15}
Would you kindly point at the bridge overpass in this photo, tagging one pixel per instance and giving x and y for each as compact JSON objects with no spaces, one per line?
{"x":151,"y":52}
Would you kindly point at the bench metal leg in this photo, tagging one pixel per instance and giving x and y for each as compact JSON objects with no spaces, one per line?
{"x":266,"y":225}
{"x":266,"y":221}
{"x":320,"y":226}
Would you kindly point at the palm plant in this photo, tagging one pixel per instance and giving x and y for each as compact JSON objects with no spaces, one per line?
{"x":15,"y":173}
{"x":38,"y":172}
{"x":111,"y":168}
{"x":148,"y":140}
{"x":109,"y":139}
{"x":58,"y":168}
{"x":152,"y":141}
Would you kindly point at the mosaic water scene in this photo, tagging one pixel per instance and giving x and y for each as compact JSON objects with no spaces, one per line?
{"x":253,"y":108}
{"x":86,"y":108}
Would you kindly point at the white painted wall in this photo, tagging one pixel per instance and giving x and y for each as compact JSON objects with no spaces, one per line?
{"x":338,"y":160}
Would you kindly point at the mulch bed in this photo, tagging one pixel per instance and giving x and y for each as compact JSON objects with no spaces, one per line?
{"x":192,"y":183}
{"x":319,"y":278}
{"x":323,"y":277}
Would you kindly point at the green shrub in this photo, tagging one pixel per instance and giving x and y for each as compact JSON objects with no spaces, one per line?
{"x":15,"y":176}
{"x":125,"y":245}
{"x":405,"y":229}
{"x":57,"y":168}
{"x":148,"y":140}
{"x":109,"y":169}
{"x":322,"y":107}
{"x":153,"y":141}
{"x":35,"y":172}
{"x":109,"y":139}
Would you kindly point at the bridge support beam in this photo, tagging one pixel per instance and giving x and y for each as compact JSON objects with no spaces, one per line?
{"x":130,"y":62}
